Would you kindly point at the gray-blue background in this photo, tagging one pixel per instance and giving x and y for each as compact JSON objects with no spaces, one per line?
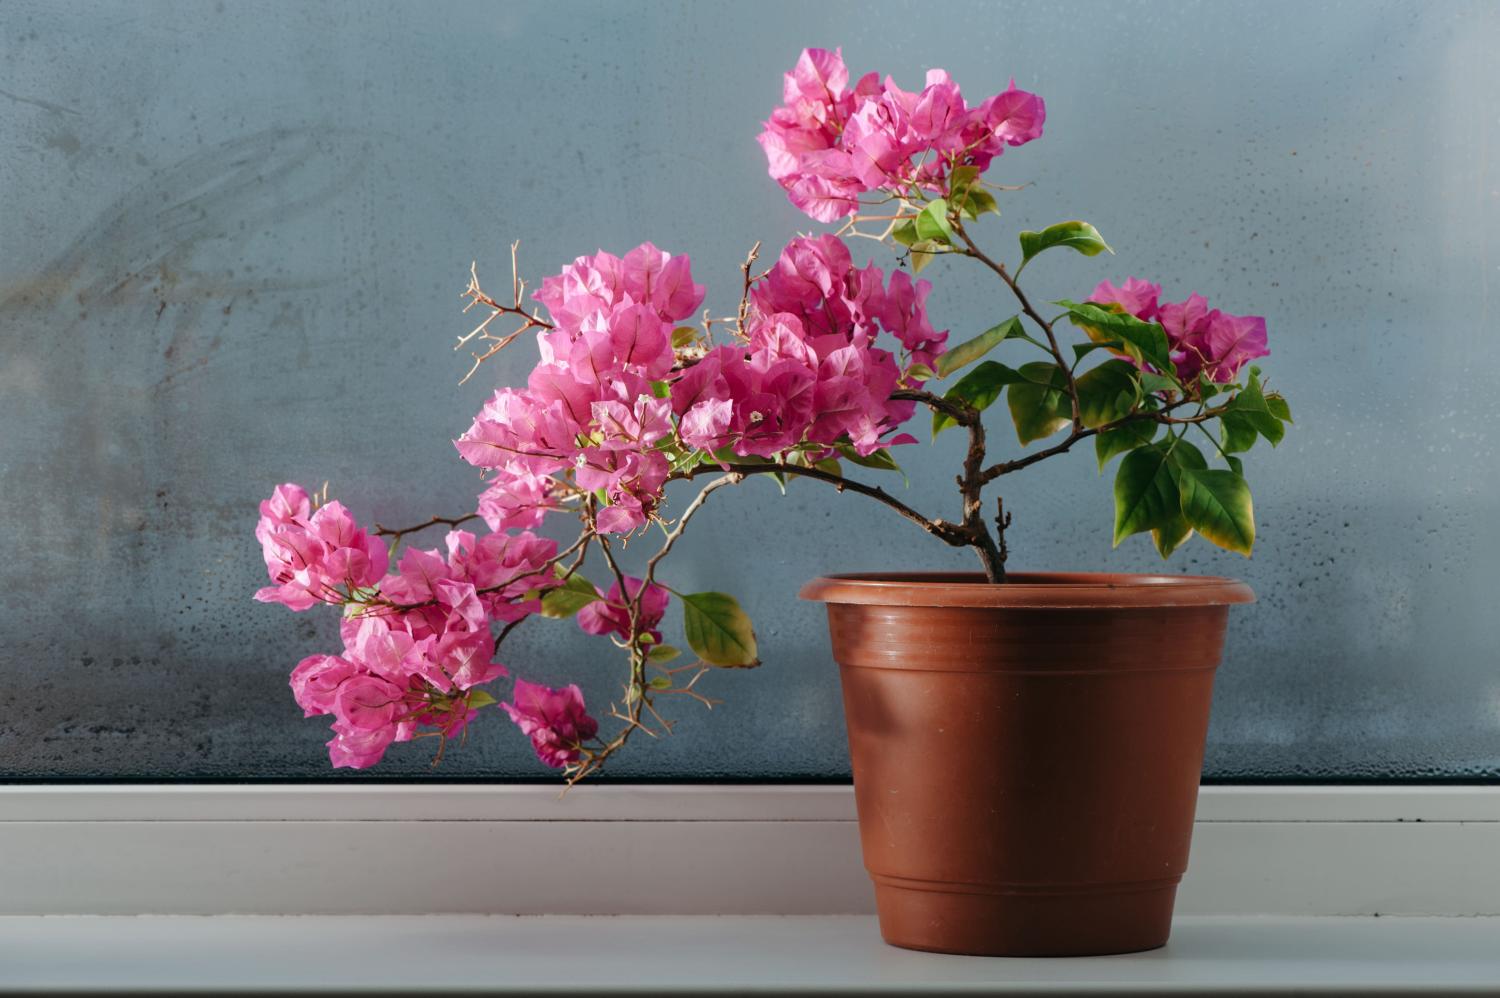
{"x":232,"y":238}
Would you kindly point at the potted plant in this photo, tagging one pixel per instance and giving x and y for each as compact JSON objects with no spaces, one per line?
{"x":1026,"y":747}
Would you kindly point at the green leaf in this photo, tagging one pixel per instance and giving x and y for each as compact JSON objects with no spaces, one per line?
{"x":830,"y":465}
{"x":971,"y":350}
{"x":979,"y":202}
{"x":1082,"y":350}
{"x":1127,"y":437}
{"x":1144,"y":341}
{"x":1236,"y":433}
{"x":1217,"y":505}
{"x":718,"y":630}
{"x":979,"y":388}
{"x":1249,"y":415}
{"x":1107,"y":393}
{"x":920,"y":372}
{"x":1152,"y":383}
{"x":961,"y":180}
{"x":663,"y":653}
{"x":880,"y":460}
{"x":573,"y":595}
{"x":924,"y":252}
{"x":1171,"y":535}
{"x":479,"y":698}
{"x":1235,"y":464}
{"x":964,"y":191}
{"x":1039,"y":404}
{"x":660,"y":682}
{"x":683,"y":336}
{"x":1278,"y":407}
{"x":933,"y":224}
{"x":1146,"y":487}
{"x":906,"y":233}
{"x":1080,"y":236}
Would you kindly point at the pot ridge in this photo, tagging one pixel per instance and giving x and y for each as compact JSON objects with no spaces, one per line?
{"x":1033,"y":590}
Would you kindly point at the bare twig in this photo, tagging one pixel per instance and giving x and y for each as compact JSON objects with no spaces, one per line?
{"x":477,"y":296}
{"x":750,"y":259}
{"x":396,"y":534}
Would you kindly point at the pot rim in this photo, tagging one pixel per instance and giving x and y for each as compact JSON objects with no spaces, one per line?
{"x":1028,"y":590}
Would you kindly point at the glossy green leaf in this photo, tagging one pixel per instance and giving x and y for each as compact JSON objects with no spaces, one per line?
{"x":1039,"y":404}
{"x":718,"y":630}
{"x":830,"y":465}
{"x":1249,"y":415}
{"x":1235,"y":464}
{"x":1146,"y":487}
{"x":1151,"y":382}
{"x":880,"y":460}
{"x":1082,"y":350}
{"x":1080,"y":236}
{"x":1145,"y":341}
{"x":971,"y":350}
{"x":979,"y":202}
{"x":1217,"y":505}
{"x":1171,"y":535}
{"x":573,"y":595}
{"x":979,"y":388}
{"x":1236,"y":433}
{"x":1175,"y":529}
{"x":933,"y":224}
{"x":1107,"y":393}
{"x":1136,"y":433}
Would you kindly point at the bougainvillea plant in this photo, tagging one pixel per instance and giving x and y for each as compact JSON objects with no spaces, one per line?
{"x":821,"y":365}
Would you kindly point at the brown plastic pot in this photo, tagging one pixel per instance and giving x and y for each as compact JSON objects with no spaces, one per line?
{"x":1026,"y":756}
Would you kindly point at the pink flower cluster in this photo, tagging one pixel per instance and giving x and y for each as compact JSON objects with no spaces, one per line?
{"x":830,"y":142}
{"x":1203,"y":341}
{"x":314,"y":557}
{"x":610,"y":615}
{"x":811,"y":372}
{"x":554,"y":720}
{"x":592,"y":418}
{"x":588,"y":406}
{"x":415,"y":641}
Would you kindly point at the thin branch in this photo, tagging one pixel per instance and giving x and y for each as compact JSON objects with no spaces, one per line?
{"x":971,"y":249}
{"x":971,"y":482}
{"x":476,"y":295}
{"x":732,"y":478}
{"x":1082,"y":433}
{"x":750,"y":259}
{"x":396,"y":534}
{"x":941,"y":529}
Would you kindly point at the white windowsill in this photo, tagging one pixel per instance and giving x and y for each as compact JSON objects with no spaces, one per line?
{"x":665,"y":955}
{"x":671,"y":850}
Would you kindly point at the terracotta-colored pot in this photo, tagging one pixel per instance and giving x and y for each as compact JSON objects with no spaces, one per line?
{"x":1026,"y":756}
